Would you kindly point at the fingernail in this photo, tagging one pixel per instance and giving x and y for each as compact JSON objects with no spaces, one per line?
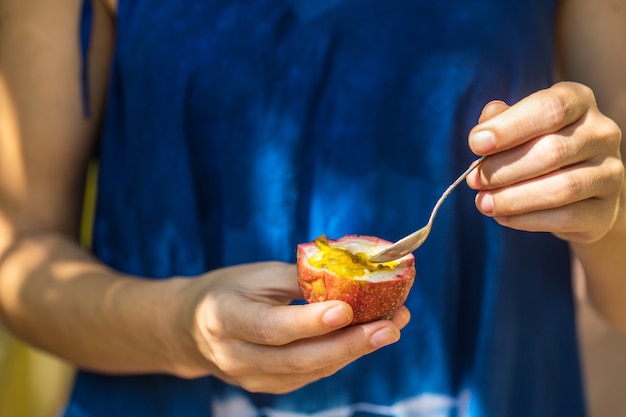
{"x":384,"y":337}
{"x":484,"y":201}
{"x":483,"y":141}
{"x":336,"y":317}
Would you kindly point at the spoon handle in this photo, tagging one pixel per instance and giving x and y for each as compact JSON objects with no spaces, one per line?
{"x":452,"y":187}
{"x":413,"y":241}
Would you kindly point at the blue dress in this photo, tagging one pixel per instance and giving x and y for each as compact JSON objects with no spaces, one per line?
{"x":236,"y":129}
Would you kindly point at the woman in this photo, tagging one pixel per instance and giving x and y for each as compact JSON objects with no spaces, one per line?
{"x":227,"y":132}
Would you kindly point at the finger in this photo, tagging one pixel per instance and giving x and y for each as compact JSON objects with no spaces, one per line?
{"x":336,"y":349}
{"x":303,"y":362}
{"x":283,"y":368}
{"x":577,"y":222}
{"x":554,"y":202}
{"x":534,"y":158}
{"x":492,"y":109}
{"x":401,"y":317}
{"x":270,"y":383}
{"x":238,"y":317}
{"x":574,"y":144}
{"x":541,"y":113}
{"x":555,"y":189}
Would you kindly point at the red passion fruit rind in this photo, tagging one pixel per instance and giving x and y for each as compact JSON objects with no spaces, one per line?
{"x":339,"y":269}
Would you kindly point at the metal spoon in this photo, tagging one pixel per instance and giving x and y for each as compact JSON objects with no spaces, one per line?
{"x":413,"y":241}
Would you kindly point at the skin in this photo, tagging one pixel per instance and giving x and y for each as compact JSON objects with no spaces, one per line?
{"x":234,"y":323}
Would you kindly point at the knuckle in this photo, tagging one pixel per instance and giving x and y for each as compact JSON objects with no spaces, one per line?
{"x":231,"y":367}
{"x":263,"y":333}
{"x":613,"y":133}
{"x":353,"y":349}
{"x":212,"y":312}
{"x":496,"y":178}
{"x":301,"y":364}
{"x":326,"y":372}
{"x":616,"y":168}
{"x":615,"y":173}
{"x":555,"y":151}
{"x":569,"y":220}
{"x":257,"y":386}
{"x":570,"y":188}
{"x":565,"y":103}
{"x":557,"y":106}
{"x":607,"y":130}
{"x":586,"y":93}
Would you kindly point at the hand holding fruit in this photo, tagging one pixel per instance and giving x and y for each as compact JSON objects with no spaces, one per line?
{"x":246,"y":333}
{"x":554,"y":164}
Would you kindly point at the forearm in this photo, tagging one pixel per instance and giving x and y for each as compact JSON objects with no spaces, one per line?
{"x":590,"y":40}
{"x":58,"y":298}
{"x":604,"y":264}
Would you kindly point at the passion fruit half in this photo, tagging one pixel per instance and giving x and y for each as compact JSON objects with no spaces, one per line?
{"x":339,"y":269}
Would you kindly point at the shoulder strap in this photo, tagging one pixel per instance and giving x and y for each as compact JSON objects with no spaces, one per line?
{"x":86,"y":22}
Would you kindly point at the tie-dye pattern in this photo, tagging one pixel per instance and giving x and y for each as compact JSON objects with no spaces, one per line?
{"x":239,"y":128}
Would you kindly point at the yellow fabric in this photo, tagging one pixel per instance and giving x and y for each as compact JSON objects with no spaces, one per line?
{"x":32,"y":383}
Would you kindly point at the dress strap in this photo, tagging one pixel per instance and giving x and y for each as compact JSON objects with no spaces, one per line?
{"x":86,"y":23}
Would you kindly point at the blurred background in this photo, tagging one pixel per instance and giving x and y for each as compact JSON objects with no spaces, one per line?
{"x":34,"y":384}
{"x":604,"y":358}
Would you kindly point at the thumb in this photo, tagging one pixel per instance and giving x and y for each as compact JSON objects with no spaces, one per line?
{"x":276,"y":325}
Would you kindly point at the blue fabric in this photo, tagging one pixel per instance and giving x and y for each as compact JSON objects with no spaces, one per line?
{"x":237,"y":129}
{"x":86,"y":22}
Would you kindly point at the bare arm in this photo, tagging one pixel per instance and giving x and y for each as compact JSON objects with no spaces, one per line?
{"x":592,"y":43}
{"x":45,"y":145}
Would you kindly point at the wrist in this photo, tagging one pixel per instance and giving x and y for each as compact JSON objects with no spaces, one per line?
{"x":175,"y":327}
